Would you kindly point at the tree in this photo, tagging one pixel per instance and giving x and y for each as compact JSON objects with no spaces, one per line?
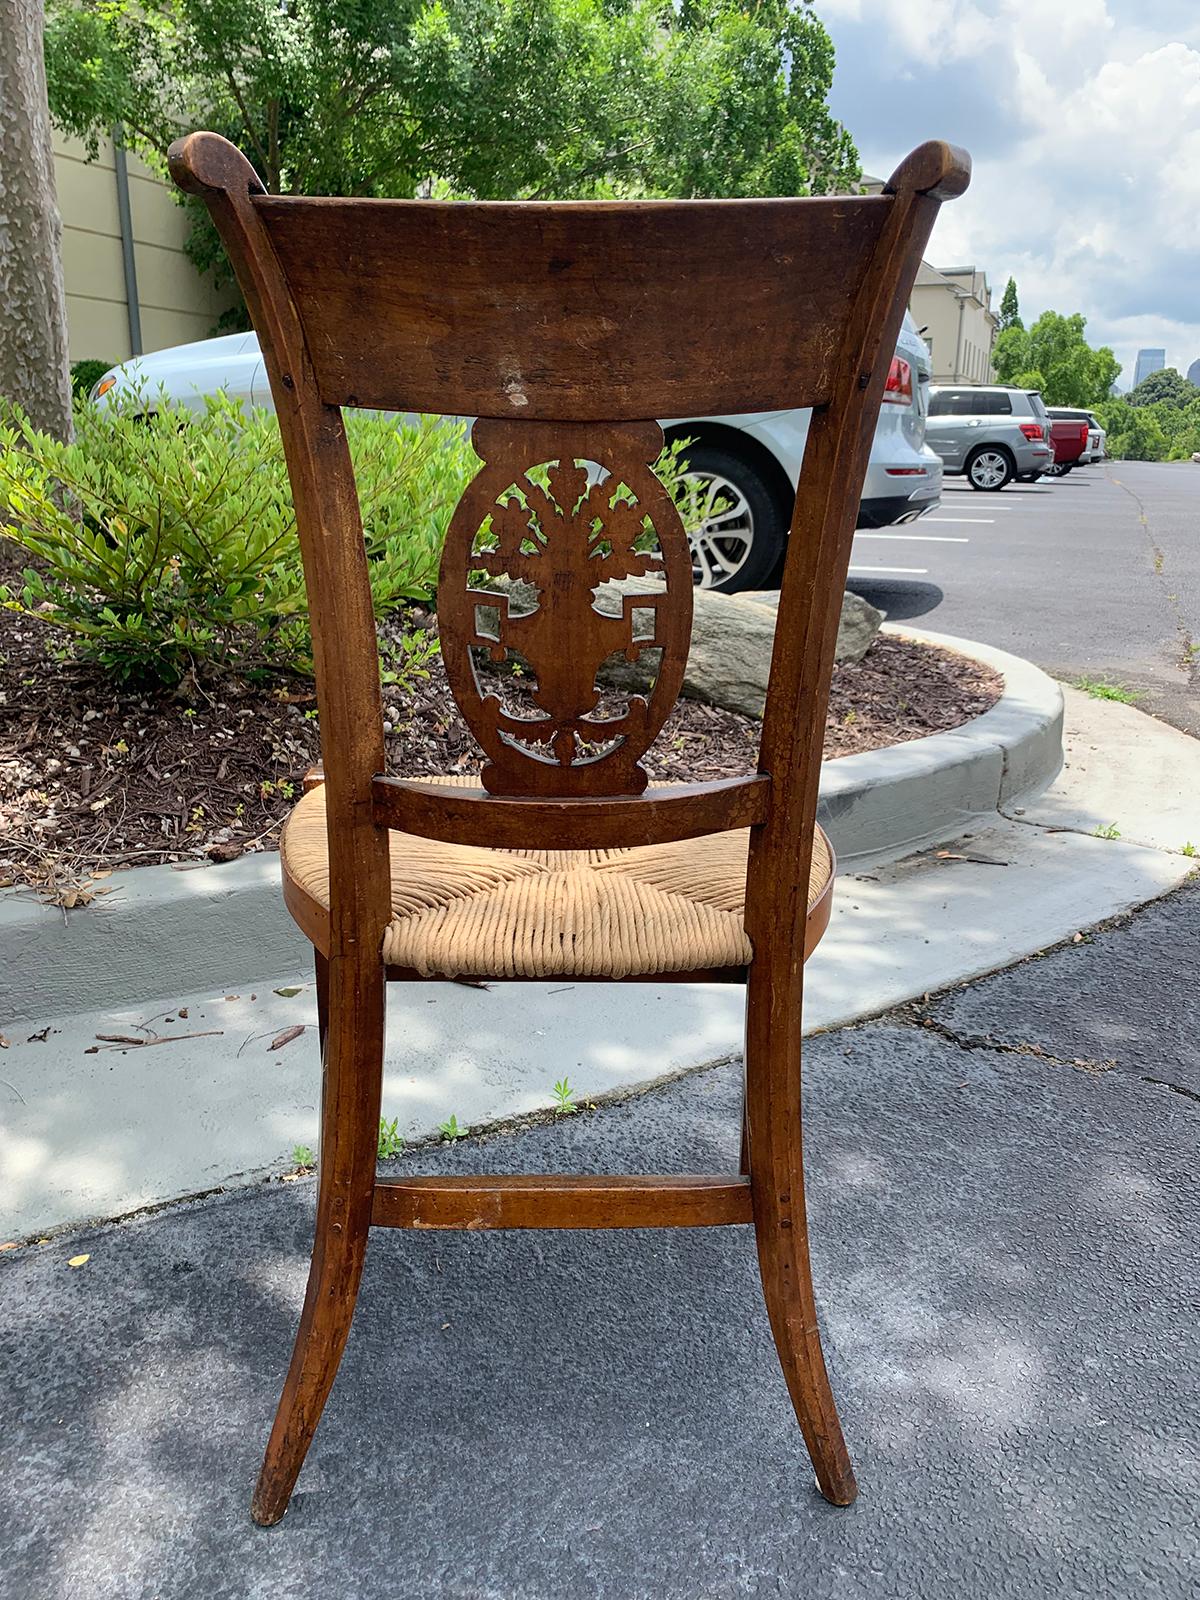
{"x":485,"y":98}
{"x":1134,"y":433}
{"x":1166,"y":384}
{"x":1010,"y":311}
{"x":33,"y":307}
{"x":1055,"y":351}
{"x":1157,"y":421}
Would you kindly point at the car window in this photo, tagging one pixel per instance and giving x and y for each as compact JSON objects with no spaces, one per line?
{"x":969,"y":403}
{"x":1038,"y":407}
{"x":949,"y":403}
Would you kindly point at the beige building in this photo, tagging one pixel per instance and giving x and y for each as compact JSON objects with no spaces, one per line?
{"x":953,"y":307}
{"x":130,"y":288}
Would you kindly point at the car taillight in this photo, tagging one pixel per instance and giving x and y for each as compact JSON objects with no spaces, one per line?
{"x":898,"y":390}
{"x":1083,"y":433}
{"x":1032,"y":430}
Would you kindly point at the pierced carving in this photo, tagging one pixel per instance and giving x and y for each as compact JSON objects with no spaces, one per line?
{"x":554,"y":535}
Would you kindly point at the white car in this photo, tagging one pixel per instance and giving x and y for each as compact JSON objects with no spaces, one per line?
{"x":741,"y":471}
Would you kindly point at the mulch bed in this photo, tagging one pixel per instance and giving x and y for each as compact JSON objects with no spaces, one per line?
{"x":94,"y":778}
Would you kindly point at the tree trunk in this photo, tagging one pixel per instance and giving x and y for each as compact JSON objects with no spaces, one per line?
{"x":33,"y":308}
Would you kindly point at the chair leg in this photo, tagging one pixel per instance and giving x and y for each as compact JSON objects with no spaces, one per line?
{"x":353,"y":1062}
{"x":773,"y":1126}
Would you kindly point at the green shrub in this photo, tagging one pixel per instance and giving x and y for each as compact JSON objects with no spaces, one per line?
{"x":85,"y":375}
{"x":166,"y":543}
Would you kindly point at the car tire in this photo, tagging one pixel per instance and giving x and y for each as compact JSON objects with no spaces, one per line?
{"x":1060,"y":469}
{"x":989,"y":468}
{"x":1028,"y":477}
{"x":735,"y":523}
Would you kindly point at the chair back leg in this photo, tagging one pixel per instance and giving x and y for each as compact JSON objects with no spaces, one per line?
{"x":773,"y":1143}
{"x":353,"y":1031}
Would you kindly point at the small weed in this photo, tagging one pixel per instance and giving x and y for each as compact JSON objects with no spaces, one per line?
{"x":1108,"y":831}
{"x":451,"y":1129}
{"x":302,"y":1156}
{"x":1099,"y":690}
{"x":390,"y":1141}
{"x":564,"y":1097}
{"x":850,"y":718}
{"x":1189,"y":849}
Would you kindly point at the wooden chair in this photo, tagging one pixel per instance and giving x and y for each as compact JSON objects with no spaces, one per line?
{"x":564,"y":328}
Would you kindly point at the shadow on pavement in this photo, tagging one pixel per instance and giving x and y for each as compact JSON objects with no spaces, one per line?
{"x":1001,"y":1245}
{"x":902,"y":601}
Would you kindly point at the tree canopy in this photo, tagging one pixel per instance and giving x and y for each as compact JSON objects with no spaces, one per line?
{"x":1166,"y":384}
{"x":1054,"y":356}
{"x":481,"y":98}
{"x":1157,"y":421}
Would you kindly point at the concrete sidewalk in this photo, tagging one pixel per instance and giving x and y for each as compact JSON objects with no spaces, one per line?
{"x":90,"y":1129}
{"x":1004,"y":1214}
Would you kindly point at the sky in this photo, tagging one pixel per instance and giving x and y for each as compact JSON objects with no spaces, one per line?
{"x":1082,"y":118}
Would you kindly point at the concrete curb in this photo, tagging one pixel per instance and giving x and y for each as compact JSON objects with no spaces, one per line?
{"x":889,"y":802}
{"x":162,"y":929}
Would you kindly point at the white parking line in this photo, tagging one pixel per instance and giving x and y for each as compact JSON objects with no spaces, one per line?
{"x":915,"y":572}
{"x":918,"y":538}
{"x":962,"y":520}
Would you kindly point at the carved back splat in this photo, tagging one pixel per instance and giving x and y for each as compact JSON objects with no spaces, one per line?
{"x":550,"y":530}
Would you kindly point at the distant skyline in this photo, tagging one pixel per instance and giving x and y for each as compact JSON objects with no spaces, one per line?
{"x":1083,"y":122}
{"x":1148,"y":361}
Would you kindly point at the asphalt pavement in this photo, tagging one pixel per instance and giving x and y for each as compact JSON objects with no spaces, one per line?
{"x":1095,"y":575}
{"x":1004,"y":1219}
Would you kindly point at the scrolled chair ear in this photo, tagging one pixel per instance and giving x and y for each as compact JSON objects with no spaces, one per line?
{"x":941,"y":171}
{"x":204,"y":162}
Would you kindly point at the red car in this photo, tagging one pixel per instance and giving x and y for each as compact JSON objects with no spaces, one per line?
{"x":1070,"y":441}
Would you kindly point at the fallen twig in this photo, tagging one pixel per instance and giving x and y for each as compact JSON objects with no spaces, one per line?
{"x":126,"y":1041}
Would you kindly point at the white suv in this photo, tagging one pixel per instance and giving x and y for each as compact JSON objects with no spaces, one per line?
{"x":741,"y":471}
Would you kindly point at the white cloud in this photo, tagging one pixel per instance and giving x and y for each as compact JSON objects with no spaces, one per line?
{"x":1084,"y":121}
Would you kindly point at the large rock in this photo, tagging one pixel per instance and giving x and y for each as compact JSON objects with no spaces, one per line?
{"x":860,"y":622}
{"x":732,"y":637}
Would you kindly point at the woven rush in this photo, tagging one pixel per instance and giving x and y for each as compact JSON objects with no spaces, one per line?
{"x":551,"y":913}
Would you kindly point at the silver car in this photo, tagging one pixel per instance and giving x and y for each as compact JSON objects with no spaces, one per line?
{"x":991,"y":435}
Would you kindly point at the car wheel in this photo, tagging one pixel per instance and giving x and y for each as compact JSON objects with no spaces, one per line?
{"x":1028,"y":477}
{"x":735,"y":525}
{"x":989,"y":467}
{"x":1060,"y":469}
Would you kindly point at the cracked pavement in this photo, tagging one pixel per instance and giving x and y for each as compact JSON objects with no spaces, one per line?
{"x":1004,"y":1213}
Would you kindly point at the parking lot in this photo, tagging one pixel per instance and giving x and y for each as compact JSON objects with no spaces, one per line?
{"x":1093,"y":575}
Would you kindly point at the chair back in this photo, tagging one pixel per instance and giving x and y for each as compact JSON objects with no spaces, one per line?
{"x":566,"y":330}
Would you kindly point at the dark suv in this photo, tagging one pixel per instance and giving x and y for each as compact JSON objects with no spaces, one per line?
{"x":992,"y":435}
